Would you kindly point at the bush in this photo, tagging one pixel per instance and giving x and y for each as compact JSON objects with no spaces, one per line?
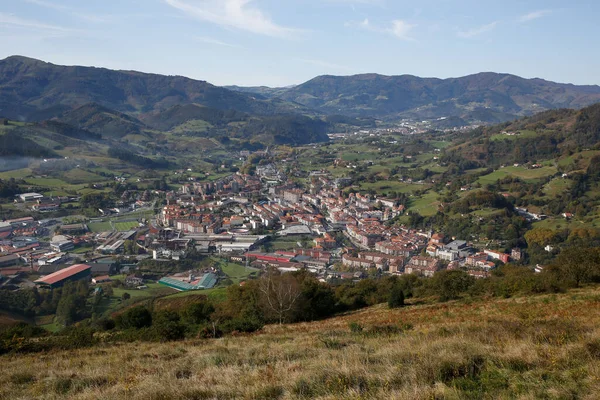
{"x":355,"y":327}
{"x":396,"y":299}
{"x":136,"y":318}
{"x":166,"y":326}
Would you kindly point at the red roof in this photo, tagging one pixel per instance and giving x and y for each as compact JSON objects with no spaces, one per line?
{"x":63,"y":274}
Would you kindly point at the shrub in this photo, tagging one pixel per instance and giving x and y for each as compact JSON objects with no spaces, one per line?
{"x":396,"y":299}
{"x":136,"y":318}
{"x":167,"y":327}
{"x":355,"y":327}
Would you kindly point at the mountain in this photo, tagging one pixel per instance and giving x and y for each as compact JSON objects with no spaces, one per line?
{"x":96,"y":118}
{"x":189,"y":115}
{"x":484,"y":97}
{"x":263,"y":92}
{"x":29,"y":86}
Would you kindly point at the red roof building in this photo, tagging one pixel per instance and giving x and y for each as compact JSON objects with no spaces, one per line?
{"x":69,"y":274}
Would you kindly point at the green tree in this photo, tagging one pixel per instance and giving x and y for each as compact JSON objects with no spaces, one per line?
{"x":451,"y":285}
{"x":396,"y":299}
{"x":579,"y":265}
{"x":198,"y":313}
{"x":166,"y":326}
{"x":136,"y":318}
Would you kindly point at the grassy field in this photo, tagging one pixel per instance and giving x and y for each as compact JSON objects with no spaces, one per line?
{"x":557,"y":186}
{"x":237,"y":272}
{"x":521,"y":135}
{"x":126,"y":226}
{"x":395,"y":186}
{"x":544,"y":347}
{"x":194,"y":125}
{"x":97,"y":227}
{"x":425,"y":205}
{"x":217,"y":294}
{"x":518,"y":172}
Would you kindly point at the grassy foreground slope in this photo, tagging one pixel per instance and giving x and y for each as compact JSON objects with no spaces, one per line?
{"x":534,"y":347}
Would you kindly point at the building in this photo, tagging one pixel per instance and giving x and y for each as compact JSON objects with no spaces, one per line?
{"x":30,"y":197}
{"x":5,"y":227}
{"x":62,"y":246}
{"x":516,"y":254}
{"x":292,"y":195}
{"x":497,"y":255}
{"x":133,"y":281}
{"x":101,"y":279}
{"x":70,"y":274}
{"x":74,"y":228}
{"x":106,"y":266}
{"x":422,"y":265}
{"x":447,"y":254}
{"x":207,"y":281}
{"x":9,"y":261}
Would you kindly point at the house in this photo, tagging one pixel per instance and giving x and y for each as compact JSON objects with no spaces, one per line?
{"x":133,"y":281}
{"x":101,"y":279}
{"x":516,"y":254}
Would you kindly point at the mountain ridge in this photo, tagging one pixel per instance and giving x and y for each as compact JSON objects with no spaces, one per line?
{"x":28,"y":85}
{"x":410,"y":96}
{"x":35,"y":90}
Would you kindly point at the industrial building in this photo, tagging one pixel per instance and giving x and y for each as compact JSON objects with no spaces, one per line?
{"x":9,"y":260}
{"x":30,"y":196}
{"x":70,"y":274}
{"x":190,"y":282}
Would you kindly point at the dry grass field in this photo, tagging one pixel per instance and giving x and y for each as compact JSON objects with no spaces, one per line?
{"x":541,"y":347}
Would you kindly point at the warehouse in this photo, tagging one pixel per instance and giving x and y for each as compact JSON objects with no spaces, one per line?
{"x":30,"y":196}
{"x":69,"y":274}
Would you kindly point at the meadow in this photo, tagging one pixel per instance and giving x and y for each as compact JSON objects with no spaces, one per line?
{"x":544,"y":346}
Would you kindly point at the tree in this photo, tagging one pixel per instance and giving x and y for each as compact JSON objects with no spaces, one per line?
{"x":280,"y":293}
{"x":540,"y":236}
{"x":70,"y":309}
{"x":396,"y":299}
{"x":579,"y":265}
{"x":450,"y":285}
{"x":125,"y":296}
{"x":136,"y":318}
{"x":199,"y":312}
{"x":317,"y":300}
{"x":167,"y":326}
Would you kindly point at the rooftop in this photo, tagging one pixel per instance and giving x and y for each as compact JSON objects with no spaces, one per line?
{"x":63,"y":274}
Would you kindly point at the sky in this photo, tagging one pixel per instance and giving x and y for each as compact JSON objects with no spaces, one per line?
{"x":286,"y":42}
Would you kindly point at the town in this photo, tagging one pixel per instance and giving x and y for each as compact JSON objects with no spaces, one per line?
{"x":258,"y":221}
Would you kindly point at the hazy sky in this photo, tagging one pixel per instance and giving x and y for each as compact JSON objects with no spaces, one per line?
{"x":283,"y":42}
